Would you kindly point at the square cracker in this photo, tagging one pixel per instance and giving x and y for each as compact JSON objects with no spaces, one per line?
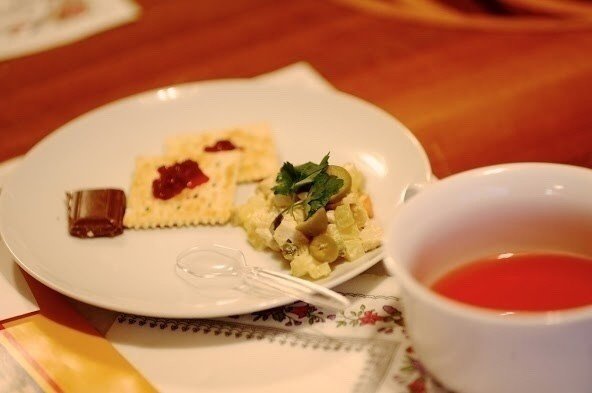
{"x":208,"y":203}
{"x":259,"y":158}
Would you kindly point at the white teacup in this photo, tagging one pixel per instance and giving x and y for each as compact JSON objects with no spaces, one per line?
{"x":483,"y":212}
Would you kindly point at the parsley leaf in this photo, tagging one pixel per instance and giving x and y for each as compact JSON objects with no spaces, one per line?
{"x":285,"y":179}
{"x":310,"y":177}
{"x":310,"y":171}
{"x":322,"y":189}
{"x":291,"y":179}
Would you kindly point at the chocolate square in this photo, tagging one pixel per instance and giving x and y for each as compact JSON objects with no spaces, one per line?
{"x":96,"y":212}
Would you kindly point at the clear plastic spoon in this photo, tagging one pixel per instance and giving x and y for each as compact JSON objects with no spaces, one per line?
{"x":226,"y":268}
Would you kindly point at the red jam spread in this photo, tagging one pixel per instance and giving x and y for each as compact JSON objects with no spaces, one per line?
{"x":222,"y":145}
{"x":175,"y":178}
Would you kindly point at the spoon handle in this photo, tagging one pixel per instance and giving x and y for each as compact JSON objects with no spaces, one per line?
{"x":300,"y":289}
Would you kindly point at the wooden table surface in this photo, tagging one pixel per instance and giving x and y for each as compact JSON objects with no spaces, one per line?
{"x":472,"y":97}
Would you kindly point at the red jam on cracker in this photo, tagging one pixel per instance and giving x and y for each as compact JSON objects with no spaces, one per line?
{"x":222,"y":145}
{"x":175,"y":178}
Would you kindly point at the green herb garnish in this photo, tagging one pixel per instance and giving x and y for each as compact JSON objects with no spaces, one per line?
{"x":310,"y":178}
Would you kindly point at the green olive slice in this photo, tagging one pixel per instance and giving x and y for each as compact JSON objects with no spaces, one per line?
{"x":316,"y":224}
{"x":323,"y":248}
{"x":344,"y":175}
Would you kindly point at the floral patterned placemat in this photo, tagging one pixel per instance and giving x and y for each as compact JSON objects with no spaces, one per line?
{"x":29,"y":26}
{"x":289,"y":348}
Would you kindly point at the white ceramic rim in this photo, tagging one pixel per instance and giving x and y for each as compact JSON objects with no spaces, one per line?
{"x":377,"y":254}
{"x":459,"y":309}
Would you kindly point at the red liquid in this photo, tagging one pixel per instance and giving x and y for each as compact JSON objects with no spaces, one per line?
{"x":521,"y":282}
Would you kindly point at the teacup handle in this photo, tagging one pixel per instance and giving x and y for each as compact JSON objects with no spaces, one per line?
{"x":415,"y":188}
{"x":410,"y":191}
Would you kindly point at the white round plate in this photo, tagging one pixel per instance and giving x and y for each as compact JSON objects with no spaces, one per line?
{"x":134,"y":272}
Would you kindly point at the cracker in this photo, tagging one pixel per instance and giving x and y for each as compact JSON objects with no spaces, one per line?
{"x":208,"y":203}
{"x":259,"y":158}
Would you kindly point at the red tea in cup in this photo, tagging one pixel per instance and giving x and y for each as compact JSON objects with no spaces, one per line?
{"x":508,"y":341}
{"x":521,"y":282}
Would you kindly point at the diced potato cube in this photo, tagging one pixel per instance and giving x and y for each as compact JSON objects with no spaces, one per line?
{"x":334,"y":234}
{"x":344,"y":219}
{"x":319,"y":270}
{"x":350,"y":234}
{"x":304,"y":264}
{"x":287,"y":231}
{"x":260,"y":237}
{"x":353,"y":249}
{"x":366,"y":201}
{"x":350,"y":199}
{"x":360,"y":215}
{"x":299,"y":265}
{"x":371,"y":236}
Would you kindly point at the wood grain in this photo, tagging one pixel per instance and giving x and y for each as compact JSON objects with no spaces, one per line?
{"x":472,"y":97}
{"x":494,"y":15}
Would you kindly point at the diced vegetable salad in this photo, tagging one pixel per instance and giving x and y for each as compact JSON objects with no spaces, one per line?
{"x":313,"y":215}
